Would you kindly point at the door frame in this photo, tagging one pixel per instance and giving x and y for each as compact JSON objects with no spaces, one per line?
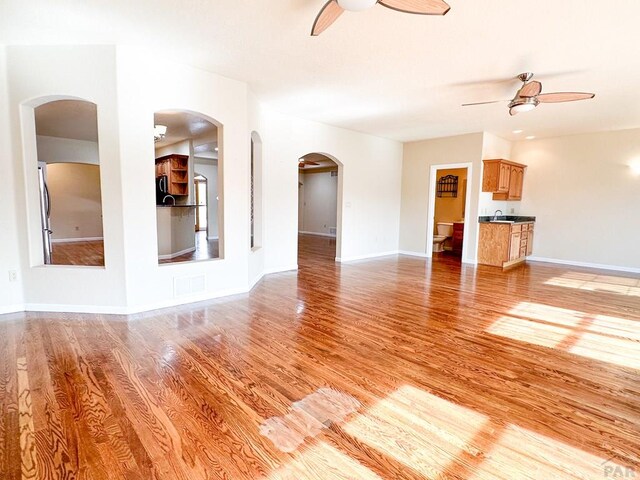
{"x":206,"y":197}
{"x":431,"y":210}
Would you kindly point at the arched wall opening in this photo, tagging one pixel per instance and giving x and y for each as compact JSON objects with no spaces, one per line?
{"x":256,"y":194}
{"x":63,"y":181}
{"x":320,"y":193}
{"x":187,"y":142}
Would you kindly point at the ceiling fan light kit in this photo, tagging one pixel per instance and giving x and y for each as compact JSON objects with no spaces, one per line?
{"x":332,"y":10}
{"x":522,"y":105}
{"x":356,"y":5}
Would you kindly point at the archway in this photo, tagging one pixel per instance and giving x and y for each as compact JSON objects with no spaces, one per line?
{"x":63,"y":181}
{"x":319,"y":208}
{"x":187,"y":142}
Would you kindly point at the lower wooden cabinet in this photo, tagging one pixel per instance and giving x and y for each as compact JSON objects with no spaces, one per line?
{"x":504,"y":244}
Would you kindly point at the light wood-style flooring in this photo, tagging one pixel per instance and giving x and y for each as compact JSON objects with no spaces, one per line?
{"x":90,"y":253}
{"x":459,"y":373}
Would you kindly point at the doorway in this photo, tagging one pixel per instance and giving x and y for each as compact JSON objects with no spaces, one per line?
{"x":319,"y":212}
{"x":449,"y":206}
{"x":202,"y":210}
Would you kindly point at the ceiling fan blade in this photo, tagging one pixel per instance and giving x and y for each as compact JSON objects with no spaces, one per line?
{"x":530,"y":89}
{"x":329,"y":14}
{"x":483,"y":103}
{"x":564,"y":97}
{"x":420,"y":7}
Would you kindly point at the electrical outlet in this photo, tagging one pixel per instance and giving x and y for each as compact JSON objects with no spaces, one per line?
{"x":513,"y":210}
{"x":13,"y":276}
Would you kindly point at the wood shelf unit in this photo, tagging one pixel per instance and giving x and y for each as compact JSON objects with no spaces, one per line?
{"x":176,"y":168}
{"x":503,"y":178}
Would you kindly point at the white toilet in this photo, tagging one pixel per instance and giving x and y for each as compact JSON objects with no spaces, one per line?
{"x":445,"y":230}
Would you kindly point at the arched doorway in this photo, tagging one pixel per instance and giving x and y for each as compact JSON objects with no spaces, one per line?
{"x":319,"y":208}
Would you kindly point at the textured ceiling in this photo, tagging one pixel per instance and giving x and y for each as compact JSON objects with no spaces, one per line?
{"x":380,"y":71}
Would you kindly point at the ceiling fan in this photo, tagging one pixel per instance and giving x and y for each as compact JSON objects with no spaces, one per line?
{"x":529,"y":96}
{"x":303,"y":163}
{"x":334,"y":8}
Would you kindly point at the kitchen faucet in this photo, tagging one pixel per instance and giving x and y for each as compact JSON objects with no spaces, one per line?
{"x":169,"y":196}
{"x":495,"y":215}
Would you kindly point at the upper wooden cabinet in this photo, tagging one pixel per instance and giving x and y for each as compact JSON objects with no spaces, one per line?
{"x":503,"y":178}
{"x":176,"y":168}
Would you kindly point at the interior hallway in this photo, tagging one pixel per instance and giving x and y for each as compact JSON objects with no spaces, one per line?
{"x":460,"y":372}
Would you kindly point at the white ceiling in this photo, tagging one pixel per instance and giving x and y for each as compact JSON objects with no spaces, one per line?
{"x":380,"y":71}
{"x":75,"y":119}
{"x":322,"y":162}
{"x":184,"y":125}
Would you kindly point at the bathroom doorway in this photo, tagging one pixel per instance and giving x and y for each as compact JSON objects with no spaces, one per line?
{"x":449,"y":205}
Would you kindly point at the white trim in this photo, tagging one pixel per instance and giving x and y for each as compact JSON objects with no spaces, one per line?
{"x":598,"y":266}
{"x":281,"y":269}
{"x":6,"y":309}
{"x":255,"y":281}
{"x":177,"y":254}
{"x":413,"y":254}
{"x":365,"y":257}
{"x":213,"y":238}
{"x":72,"y":240}
{"x":318,"y":234}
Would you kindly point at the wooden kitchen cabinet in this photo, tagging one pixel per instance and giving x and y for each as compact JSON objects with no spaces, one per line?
{"x":503,"y":178}
{"x":505,"y":244}
{"x":176,"y":169}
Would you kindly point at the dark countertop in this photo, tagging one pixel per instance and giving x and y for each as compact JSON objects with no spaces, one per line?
{"x":506,"y":219}
{"x":176,"y":206}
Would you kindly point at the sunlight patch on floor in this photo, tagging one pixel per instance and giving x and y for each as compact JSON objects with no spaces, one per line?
{"x":526,"y":455}
{"x":597,"y":283}
{"x":419,"y":430}
{"x":322,"y":461}
{"x":600,"y":337}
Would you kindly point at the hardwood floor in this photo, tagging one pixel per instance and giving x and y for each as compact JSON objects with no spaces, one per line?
{"x":89,"y":253}
{"x":457,"y":373}
{"x":205,"y":250}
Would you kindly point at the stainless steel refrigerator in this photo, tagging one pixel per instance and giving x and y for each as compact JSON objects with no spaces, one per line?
{"x":45,"y":211}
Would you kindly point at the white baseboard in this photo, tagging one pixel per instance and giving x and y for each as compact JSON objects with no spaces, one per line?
{"x":366,"y":257}
{"x":6,"y":309}
{"x":573,"y":263}
{"x":177,"y":254}
{"x":281,"y":269}
{"x":317,"y":234}
{"x":413,"y":254}
{"x":72,"y":240}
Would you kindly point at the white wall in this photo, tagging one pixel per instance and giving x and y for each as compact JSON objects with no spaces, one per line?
{"x":11,"y":297}
{"x":76,"y":202}
{"x":585,"y":197}
{"x":58,"y":150}
{"x":369,"y":210}
{"x":144,"y":88}
{"x":128,"y":85}
{"x":85,"y":72}
{"x":419,"y":157}
{"x":320,"y":202}
{"x":496,"y":147}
